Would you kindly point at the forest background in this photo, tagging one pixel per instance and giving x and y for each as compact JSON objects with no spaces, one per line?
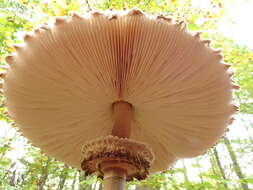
{"x":228,"y":165}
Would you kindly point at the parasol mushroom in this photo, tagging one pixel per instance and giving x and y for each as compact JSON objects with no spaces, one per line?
{"x":118,"y":95}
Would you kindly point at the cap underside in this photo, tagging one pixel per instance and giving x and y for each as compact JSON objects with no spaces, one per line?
{"x":61,"y":85}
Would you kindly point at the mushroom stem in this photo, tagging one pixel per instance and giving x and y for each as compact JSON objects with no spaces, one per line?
{"x":122,"y":112}
{"x":114,"y":179}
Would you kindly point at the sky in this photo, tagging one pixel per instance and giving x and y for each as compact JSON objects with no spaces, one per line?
{"x":241,"y":27}
{"x":238,"y":21}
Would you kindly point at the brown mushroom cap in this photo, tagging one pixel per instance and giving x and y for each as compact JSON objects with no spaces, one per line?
{"x":60,"y":86}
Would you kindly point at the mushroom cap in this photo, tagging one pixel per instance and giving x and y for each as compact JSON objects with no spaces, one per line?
{"x":60,"y":86}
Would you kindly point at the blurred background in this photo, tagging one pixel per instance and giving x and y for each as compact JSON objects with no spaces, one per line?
{"x":228,"y":165}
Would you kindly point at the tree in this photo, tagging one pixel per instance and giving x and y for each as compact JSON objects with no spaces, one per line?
{"x":74,"y":181}
{"x":222,"y":172}
{"x":34,"y":170}
{"x":63,"y":176}
{"x":186,"y":178}
{"x":236,"y":165}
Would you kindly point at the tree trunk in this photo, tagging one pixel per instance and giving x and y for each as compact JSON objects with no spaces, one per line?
{"x":74,"y":181}
{"x":222,"y":172}
{"x":81,"y":179}
{"x":143,"y":187}
{"x":7,"y":173}
{"x":213,"y":163}
{"x":214,"y":169}
{"x":100,"y":186}
{"x":13,"y":179}
{"x":200,"y":172}
{"x":97,"y":186}
{"x":236,"y":165}
{"x":186,"y":178}
{"x":63,"y":177}
{"x":44,"y":175}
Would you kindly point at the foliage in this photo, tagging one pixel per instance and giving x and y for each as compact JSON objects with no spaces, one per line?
{"x":34,"y":170}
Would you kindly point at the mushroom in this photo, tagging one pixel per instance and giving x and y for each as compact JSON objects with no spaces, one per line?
{"x":119,"y":95}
